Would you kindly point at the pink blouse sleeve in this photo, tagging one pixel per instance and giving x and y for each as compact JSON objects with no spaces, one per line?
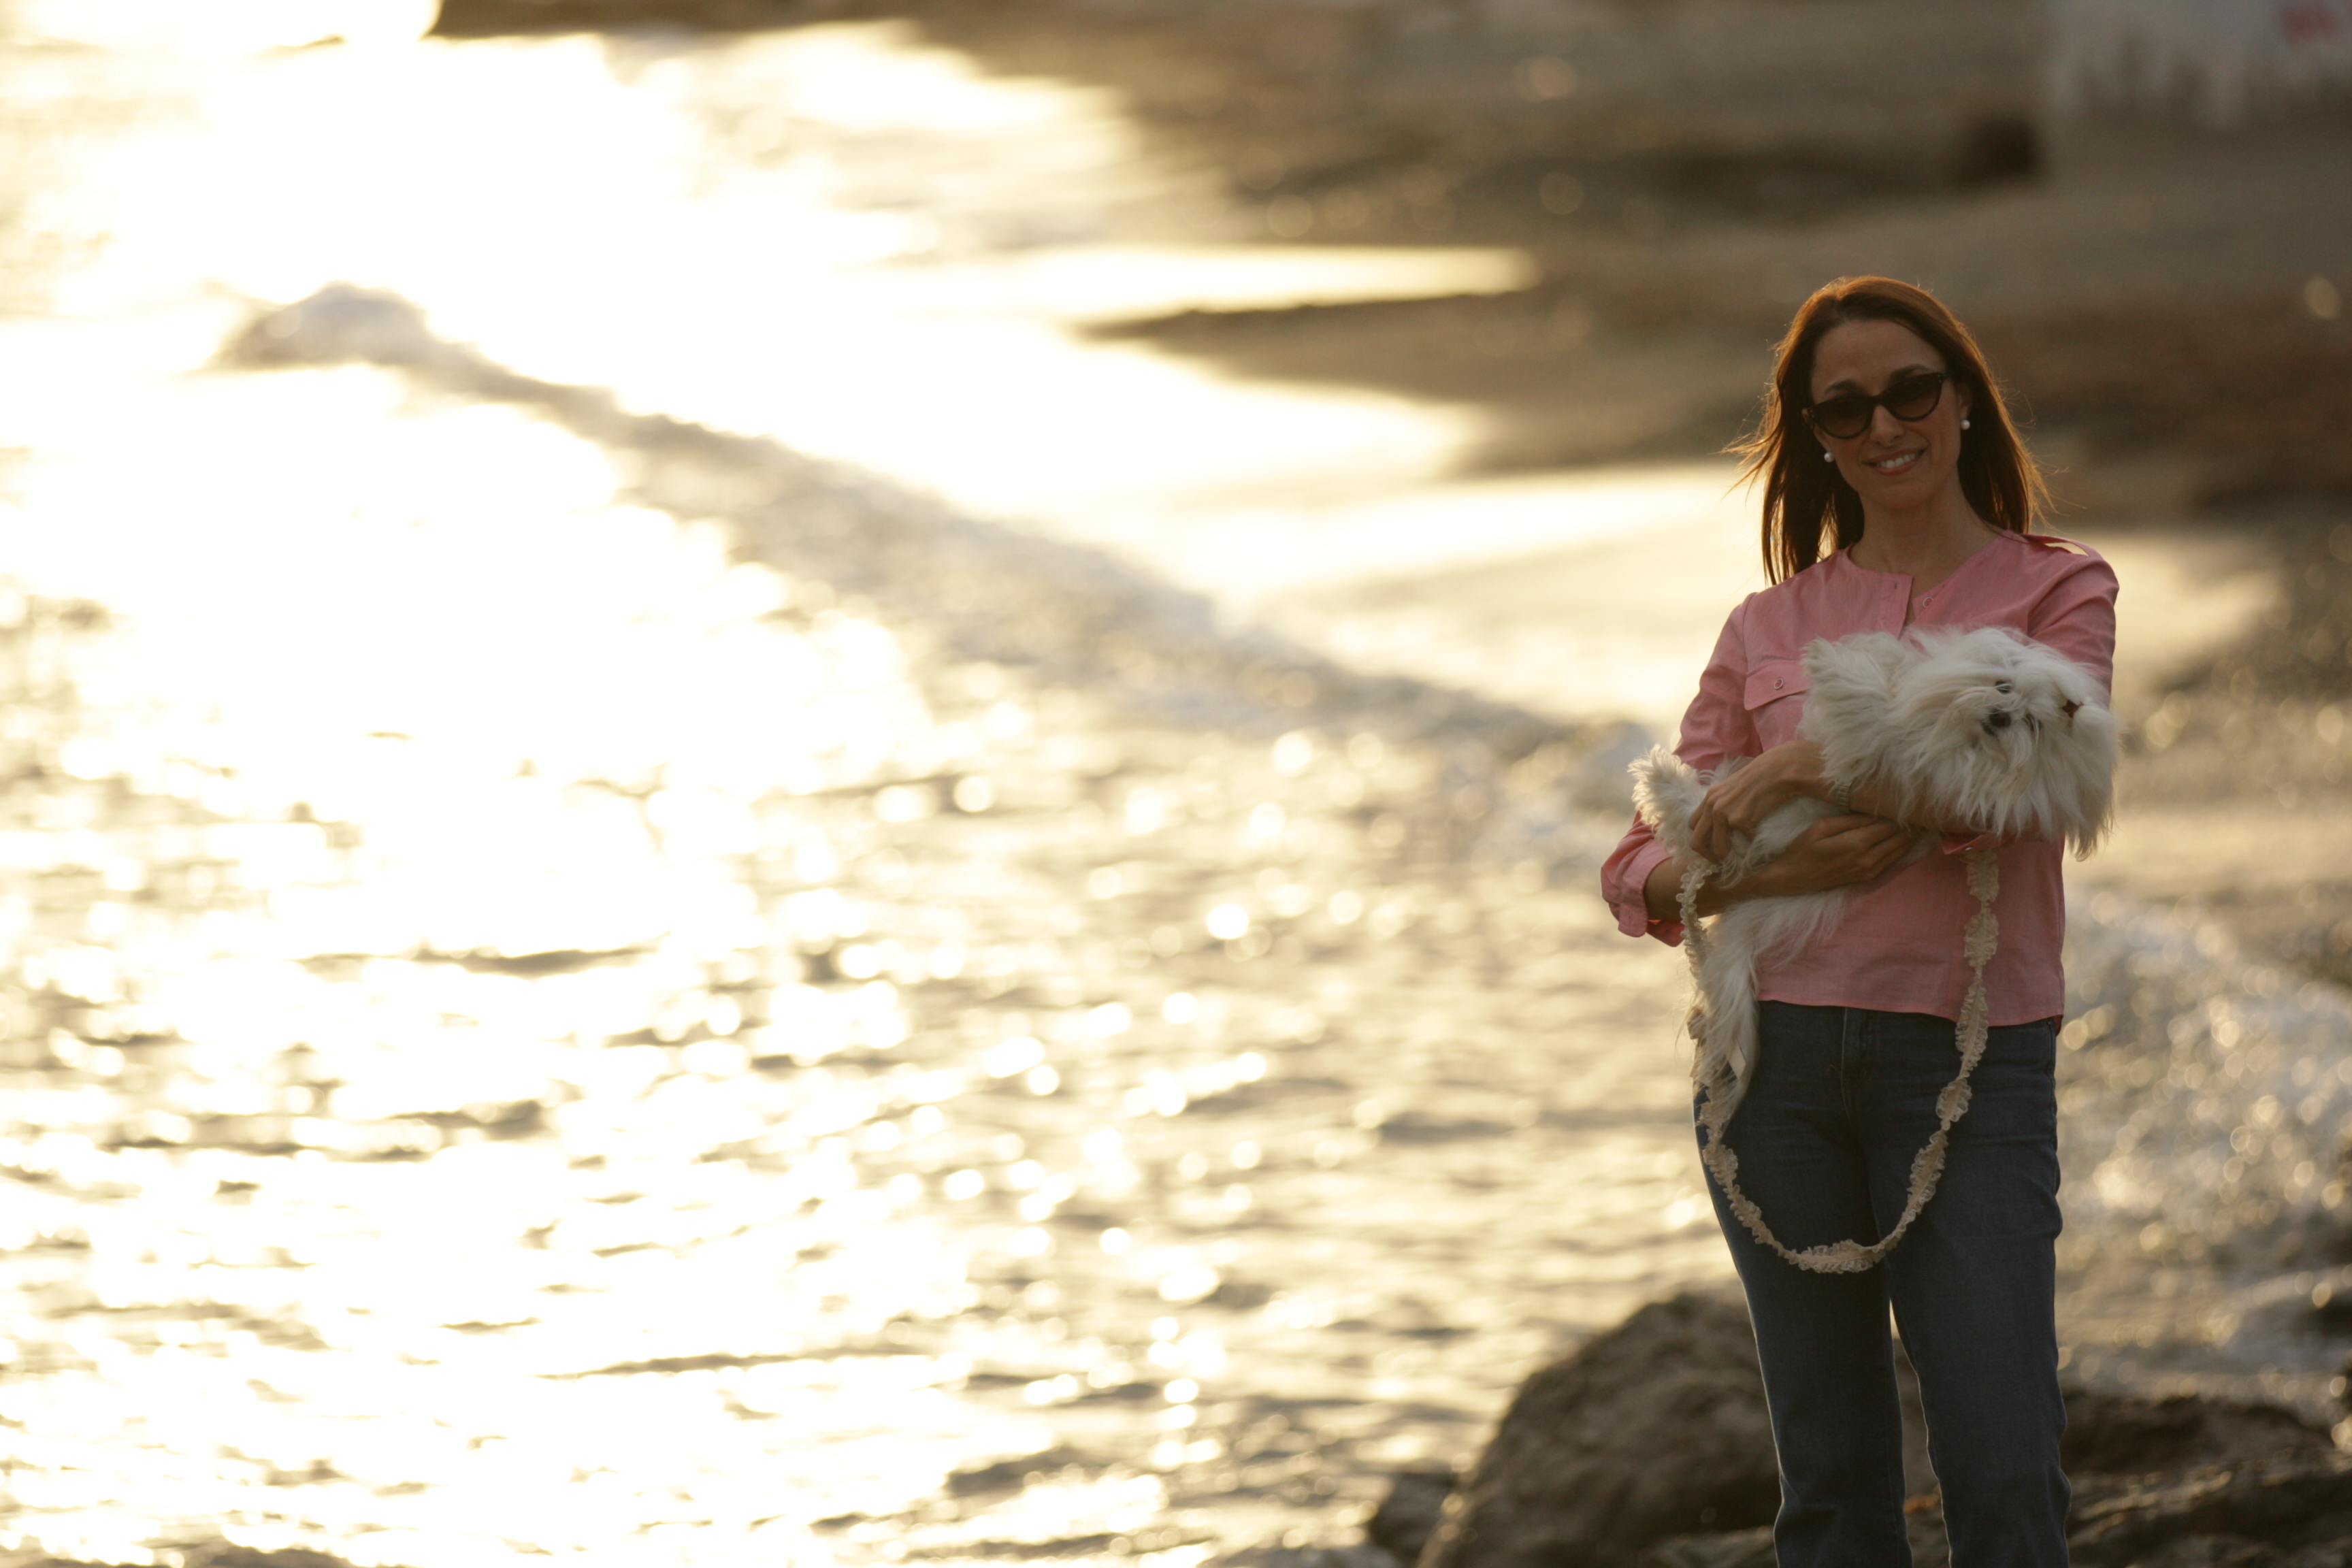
{"x":2077,"y":617}
{"x":1715,"y":727}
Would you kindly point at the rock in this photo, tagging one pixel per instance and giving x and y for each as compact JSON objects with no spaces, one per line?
{"x":2119,"y":1434}
{"x":2296,"y":1509}
{"x":1408,"y":1516}
{"x":340,"y":324}
{"x":1923,"y":1523}
{"x":1651,"y":1445}
{"x":1364,"y":1555}
{"x":1657,"y":1428}
{"x":1738,"y":1549}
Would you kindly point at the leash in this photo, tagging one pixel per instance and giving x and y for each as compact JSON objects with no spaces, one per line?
{"x":1849,"y":1256}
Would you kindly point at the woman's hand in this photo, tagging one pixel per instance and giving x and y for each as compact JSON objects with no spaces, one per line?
{"x":1836,"y":852}
{"x":1741,"y":802}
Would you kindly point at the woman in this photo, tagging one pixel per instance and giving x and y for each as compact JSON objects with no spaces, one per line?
{"x":1885,"y":441}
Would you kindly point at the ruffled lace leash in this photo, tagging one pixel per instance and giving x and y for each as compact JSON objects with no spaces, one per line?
{"x":1850,"y":1256}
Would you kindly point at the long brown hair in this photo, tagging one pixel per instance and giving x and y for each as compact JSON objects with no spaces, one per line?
{"x":1807,"y":500}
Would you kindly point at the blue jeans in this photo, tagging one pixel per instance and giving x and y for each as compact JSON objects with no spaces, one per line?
{"x":1842,"y":1100}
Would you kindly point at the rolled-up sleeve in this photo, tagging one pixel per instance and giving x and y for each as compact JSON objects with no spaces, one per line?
{"x":1715,"y":726}
{"x":1626,"y":874}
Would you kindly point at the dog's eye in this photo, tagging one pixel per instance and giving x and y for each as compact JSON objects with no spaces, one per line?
{"x":2072,"y":707}
{"x":2003,"y":686}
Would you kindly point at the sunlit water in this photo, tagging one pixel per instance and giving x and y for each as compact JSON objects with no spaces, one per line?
{"x":579,"y":987}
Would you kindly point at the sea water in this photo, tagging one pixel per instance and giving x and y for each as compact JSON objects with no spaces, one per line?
{"x":686,"y":887}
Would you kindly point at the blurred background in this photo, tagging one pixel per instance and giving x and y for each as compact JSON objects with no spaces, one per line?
{"x":822,"y":782}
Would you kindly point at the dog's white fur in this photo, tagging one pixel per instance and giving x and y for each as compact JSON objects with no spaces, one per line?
{"x":1983,"y":727}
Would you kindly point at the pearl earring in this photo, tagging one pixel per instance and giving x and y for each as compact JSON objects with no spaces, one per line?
{"x":1828,"y":456}
{"x":1964,"y":424}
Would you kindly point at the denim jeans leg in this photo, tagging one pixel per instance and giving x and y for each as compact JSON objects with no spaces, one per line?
{"x":1973,"y":1283}
{"x":1822,"y":1339}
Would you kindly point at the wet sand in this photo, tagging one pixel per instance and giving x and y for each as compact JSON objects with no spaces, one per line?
{"x":1683,"y":174}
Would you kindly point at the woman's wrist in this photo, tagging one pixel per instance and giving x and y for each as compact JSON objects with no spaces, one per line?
{"x":1876,"y":799}
{"x":1662,"y":895}
{"x":1800,"y":770}
{"x":1666,"y":886}
{"x":1760,"y":882}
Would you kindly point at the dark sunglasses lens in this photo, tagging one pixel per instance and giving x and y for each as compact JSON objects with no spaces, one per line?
{"x":1843,"y":417}
{"x":1848,"y":416}
{"x":1915,"y":399}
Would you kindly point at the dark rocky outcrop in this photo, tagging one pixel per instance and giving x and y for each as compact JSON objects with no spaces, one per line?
{"x":1649,"y":1447}
{"x":1657,"y":1428}
{"x":2291,"y":1511}
{"x":1409,"y":1515}
{"x":2117,"y":1435}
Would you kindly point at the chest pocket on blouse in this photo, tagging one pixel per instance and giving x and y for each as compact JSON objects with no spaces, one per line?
{"x":1773,"y":679}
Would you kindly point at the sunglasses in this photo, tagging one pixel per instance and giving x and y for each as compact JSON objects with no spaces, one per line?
{"x":1849,"y":414}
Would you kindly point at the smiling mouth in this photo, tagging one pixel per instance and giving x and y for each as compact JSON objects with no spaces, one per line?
{"x":1897,"y":463}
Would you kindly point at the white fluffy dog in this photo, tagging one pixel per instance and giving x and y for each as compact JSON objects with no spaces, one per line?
{"x":1983,"y":726}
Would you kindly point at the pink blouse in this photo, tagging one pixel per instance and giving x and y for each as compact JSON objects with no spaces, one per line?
{"x":1898,"y":947}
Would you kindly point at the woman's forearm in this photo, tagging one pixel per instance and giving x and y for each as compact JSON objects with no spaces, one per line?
{"x":1883,"y":801}
{"x":1793,"y":768}
{"x":1835,"y":852}
{"x":1662,"y":894}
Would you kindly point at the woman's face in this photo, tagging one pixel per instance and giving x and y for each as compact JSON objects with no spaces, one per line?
{"x":1897,"y":463}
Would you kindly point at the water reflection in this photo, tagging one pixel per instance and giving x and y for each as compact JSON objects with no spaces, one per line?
{"x":532,"y":1031}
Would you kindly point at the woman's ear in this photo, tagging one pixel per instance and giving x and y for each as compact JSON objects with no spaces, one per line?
{"x":1965,"y":399}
